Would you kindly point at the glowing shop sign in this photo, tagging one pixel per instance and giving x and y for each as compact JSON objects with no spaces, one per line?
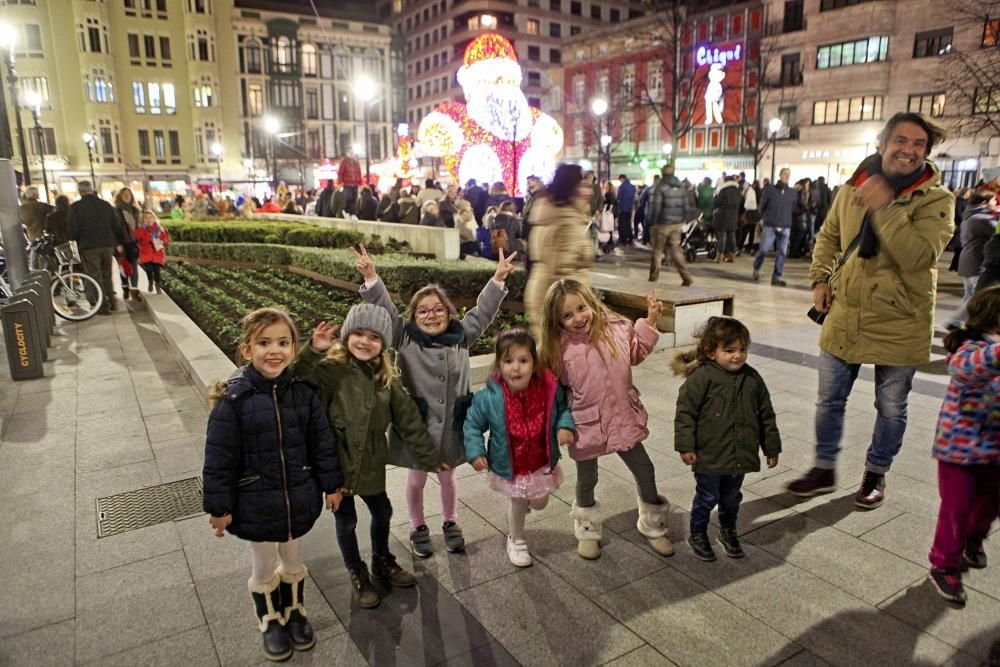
{"x":708,"y":56}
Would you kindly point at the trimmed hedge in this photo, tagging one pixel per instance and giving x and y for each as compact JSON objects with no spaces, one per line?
{"x":403,"y":274}
{"x":283,"y":233}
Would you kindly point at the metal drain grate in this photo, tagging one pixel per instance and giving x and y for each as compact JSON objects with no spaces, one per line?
{"x":149,"y":506}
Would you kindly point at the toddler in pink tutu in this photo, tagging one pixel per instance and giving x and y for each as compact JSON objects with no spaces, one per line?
{"x":526,"y":414}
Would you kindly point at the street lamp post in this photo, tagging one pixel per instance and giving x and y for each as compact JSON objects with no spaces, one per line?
{"x":599,"y":107}
{"x":606,"y":146}
{"x":217,"y":152}
{"x":34,"y":102}
{"x":774,"y":126}
{"x":9,"y":37}
{"x":272,"y":126}
{"x":364,"y":90}
{"x":91,"y":141}
{"x":870,"y":138}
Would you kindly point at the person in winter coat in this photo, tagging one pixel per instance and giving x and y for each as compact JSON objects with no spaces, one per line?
{"x":432,"y":346}
{"x":367,"y":205}
{"x":721,"y":451}
{"x":409,"y":212}
{"x":802,"y":220}
{"x":429,"y":193}
{"x":880,"y":300}
{"x":978,"y":227}
{"x":34,"y":215}
{"x":726,"y":218}
{"x":430,"y":214}
{"x":128,"y":218}
{"x":97,"y":230}
{"x":388,"y":206}
{"x":477,"y":197}
{"x":560,"y":246}
{"x":360,"y":387}
{"x":625,"y":200}
{"x":669,"y":209}
{"x":525,"y":412}
{"x":349,"y":173}
{"x":56,"y":222}
{"x":705,"y":198}
{"x":967,"y":447}
{"x":152,"y":240}
{"x":465,"y":221}
{"x":592,"y":351}
{"x":748,"y":223}
{"x":447,"y":206}
{"x":642,"y":211}
{"x":777,"y":210}
{"x":324,"y":203}
{"x":269,"y":458}
{"x":506,"y":227}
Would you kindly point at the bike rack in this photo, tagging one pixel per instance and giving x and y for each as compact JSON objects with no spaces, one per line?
{"x":28,"y":321}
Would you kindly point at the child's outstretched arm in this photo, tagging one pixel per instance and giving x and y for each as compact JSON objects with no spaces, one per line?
{"x":411,"y":427}
{"x":322,"y":443}
{"x":488,"y":302}
{"x":374,"y":291}
{"x":643,"y":336}
{"x":689,"y":402}
{"x":564,"y":419}
{"x":975,"y":363}
{"x":476,"y":425}
{"x":770,"y":442}
{"x":222,"y":464}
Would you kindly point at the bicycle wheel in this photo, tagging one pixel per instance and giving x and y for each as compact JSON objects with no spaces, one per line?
{"x":76,"y":296}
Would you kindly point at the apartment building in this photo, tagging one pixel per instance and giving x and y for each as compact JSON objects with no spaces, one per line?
{"x":161,"y":81}
{"x":436,"y":33}
{"x":838,"y":69}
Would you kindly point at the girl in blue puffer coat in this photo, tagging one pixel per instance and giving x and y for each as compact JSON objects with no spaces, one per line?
{"x":269,"y":456}
{"x":527,"y":416}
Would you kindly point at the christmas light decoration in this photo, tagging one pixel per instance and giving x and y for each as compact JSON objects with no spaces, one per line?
{"x":496,"y":135}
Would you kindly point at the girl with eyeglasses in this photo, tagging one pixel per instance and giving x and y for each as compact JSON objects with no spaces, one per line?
{"x":432,"y":345}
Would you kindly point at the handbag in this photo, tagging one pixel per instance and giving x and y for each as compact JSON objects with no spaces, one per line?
{"x":815,"y":314}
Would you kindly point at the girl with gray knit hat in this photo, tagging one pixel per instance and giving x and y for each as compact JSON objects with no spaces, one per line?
{"x":360,"y":387}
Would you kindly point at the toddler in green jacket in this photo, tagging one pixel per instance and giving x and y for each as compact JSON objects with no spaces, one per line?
{"x":724,"y":416}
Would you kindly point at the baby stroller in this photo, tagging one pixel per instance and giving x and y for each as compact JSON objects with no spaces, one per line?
{"x":602,"y":230}
{"x":697,"y":238}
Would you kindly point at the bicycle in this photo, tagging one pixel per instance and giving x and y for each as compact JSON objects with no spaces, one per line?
{"x":75,"y":295}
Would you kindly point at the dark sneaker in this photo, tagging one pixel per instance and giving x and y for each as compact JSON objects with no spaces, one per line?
{"x":948,"y":584}
{"x":363,"y":591}
{"x":872,"y":491}
{"x":420,"y":542}
{"x":778,"y":282}
{"x":388,"y":572}
{"x":973,"y":554}
{"x":701,"y":547}
{"x":813,"y":483}
{"x":454,"y":541}
{"x":756,"y":275}
{"x":730,"y":542}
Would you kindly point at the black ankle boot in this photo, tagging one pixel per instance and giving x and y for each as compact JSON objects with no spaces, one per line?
{"x":363,"y":591}
{"x":387,"y":571}
{"x":267,"y":604}
{"x":299,"y":629}
{"x":701,"y":547}
{"x":730,"y":542}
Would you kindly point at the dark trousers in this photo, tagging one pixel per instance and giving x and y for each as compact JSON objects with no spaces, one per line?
{"x":97,"y":263}
{"x":624,"y":227}
{"x":152,"y":270}
{"x":351,"y":199}
{"x":711,"y":490}
{"x":727,"y":241}
{"x":639,"y":222}
{"x":347,"y":522}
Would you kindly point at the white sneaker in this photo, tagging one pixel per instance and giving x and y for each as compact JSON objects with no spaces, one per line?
{"x":517,"y":552}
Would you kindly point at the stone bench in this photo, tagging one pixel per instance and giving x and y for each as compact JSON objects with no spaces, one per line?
{"x":441,"y":242}
{"x":684,"y":308}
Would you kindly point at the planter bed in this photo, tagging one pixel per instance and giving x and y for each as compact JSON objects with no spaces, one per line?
{"x":216,"y":297}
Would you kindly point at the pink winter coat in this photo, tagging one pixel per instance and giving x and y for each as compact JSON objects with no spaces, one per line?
{"x":606,"y":408}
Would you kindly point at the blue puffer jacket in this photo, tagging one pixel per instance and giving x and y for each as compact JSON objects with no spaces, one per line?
{"x":777,"y":205}
{"x":268,"y":455}
{"x":488,"y":413}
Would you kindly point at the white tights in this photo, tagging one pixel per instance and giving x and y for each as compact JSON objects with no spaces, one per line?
{"x":266,"y":557}
{"x":518,"y":510}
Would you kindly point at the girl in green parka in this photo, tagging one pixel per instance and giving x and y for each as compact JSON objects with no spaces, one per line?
{"x":360,"y":386}
{"x":527,"y":416}
{"x":724,"y":418}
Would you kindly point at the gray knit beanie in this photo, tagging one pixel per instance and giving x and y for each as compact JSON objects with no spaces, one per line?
{"x":371,"y":317}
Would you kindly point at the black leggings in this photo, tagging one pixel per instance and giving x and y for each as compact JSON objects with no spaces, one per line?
{"x":152,"y":270}
{"x":638,"y":463}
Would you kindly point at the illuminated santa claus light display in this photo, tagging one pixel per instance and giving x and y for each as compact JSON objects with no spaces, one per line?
{"x":495,"y":135}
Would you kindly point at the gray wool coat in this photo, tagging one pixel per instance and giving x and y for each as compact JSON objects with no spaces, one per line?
{"x":438,"y":375}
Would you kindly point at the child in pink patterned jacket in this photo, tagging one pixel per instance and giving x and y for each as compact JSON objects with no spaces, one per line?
{"x":967,"y":447}
{"x":592,"y":351}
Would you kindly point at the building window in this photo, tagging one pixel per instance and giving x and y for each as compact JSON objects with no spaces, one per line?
{"x":555,"y":30}
{"x":857,"y":52}
{"x":200,"y":6}
{"x":576,"y":8}
{"x":534,"y":79}
{"x":251,"y":54}
{"x":144,"y":146}
{"x":165,"y":51}
{"x":655,"y":83}
{"x":791,"y":70}
{"x":932,"y":43}
{"x":534,"y":53}
{"x":595,"y":12}
{"x":616,"y":15}
{"x":555,"y":5}
{"x":159,"y":147}
{"x":628,"y":84}
{"x":653,"y":128}
{"x":154,"y":98}
{"x":555,"y":56}
{"x":133,"y":48}
{"x":139,"y":96}
{"x":987,"y":100}
{"x":255,"y":99}
{"x":794,"y":16}
{"x":929,"y":104}
{"x":149,"y":49}
{"x":309,"y":67}
{"x":93,"y":37}
{"x":532,"y":27}
{"x":312,"y":104}
{"x":38,"y":85}
{"x":174,"y":144}
{"x":169,"y":98}
{"x":847,"y":110}
{"x":827,"y":5}
{"x":574,"y":30}
{"x":602,"y":84}
{"x":202,"y":95}
{"x":201,"y":46}
{"x":48,"y":146}
{"x":577,"y":135}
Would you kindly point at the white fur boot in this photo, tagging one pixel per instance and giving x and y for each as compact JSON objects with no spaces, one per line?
{"x":652,"y":524}
{"x":587,"y":528}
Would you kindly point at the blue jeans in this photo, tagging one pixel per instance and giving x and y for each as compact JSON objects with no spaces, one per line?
{"x":777,"y":237}
{"x":958,"y":319}
{"x":346,"y":518}
{"x":892,"y":386}
{"x":711,"y":490}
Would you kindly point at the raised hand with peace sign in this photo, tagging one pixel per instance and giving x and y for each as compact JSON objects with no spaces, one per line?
{"x":364,"y":265}
{"x":655,"y":308}
{"x":505,"y":266}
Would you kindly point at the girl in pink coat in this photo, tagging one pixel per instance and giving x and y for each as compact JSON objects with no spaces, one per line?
{"x":592,"y":351}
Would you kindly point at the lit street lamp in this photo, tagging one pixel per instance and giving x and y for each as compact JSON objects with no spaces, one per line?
{"x":8,"y":38}
{"x":34,"y":102}
{"x":599,"y":107}
{"x":774,"y":126}
{"x":364,"y":90}
{"x":217,"y":152}
{"x":91,"y":141}
{"x":870,"y":138}
{"x":272,"y":126}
